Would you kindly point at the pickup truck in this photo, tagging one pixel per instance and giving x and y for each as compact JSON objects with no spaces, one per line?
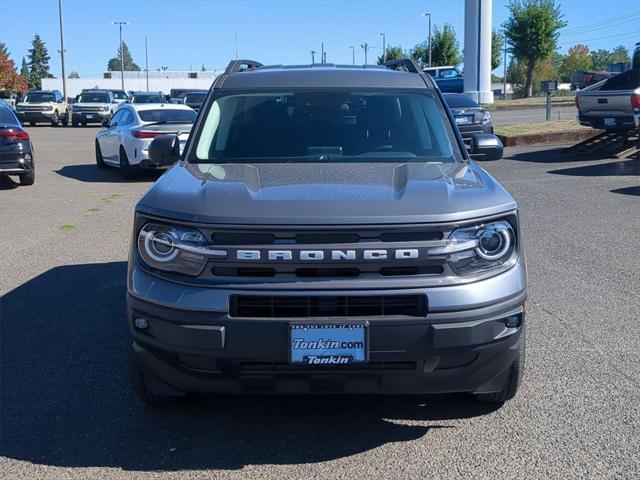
{"x":448,"y":78}
{"x":612,"y":104}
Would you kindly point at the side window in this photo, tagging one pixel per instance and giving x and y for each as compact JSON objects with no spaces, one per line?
{"x":117,"y":118}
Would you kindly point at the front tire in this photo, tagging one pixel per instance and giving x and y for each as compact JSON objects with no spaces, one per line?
{"x":55,"y":120}
{"x":512,"y":382}
{"x":99,"y":159}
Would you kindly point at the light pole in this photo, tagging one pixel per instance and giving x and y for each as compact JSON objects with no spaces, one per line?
{"x":504,"y":79}
{"x":146,"y":61}
{"x":64,"y":76}
{"x":313,"y":57}
{"x":353,"y":54}
{"x":424,"y":14}
{"x":384,"y":48}
{"x":120,"y":24}
{"x":365,"y":46}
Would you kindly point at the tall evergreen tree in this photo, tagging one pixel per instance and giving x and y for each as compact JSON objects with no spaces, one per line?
{"x":3,"y":49}
{"x":38,"y":62}
{"x":129,"y":65}
{"x":24,"y":70}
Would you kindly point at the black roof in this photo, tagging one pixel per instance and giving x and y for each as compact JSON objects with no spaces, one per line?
{"x":324,"y":76}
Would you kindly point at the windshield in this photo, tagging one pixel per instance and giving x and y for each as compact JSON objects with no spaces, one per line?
{"x":38,"y":97}
{"x":97,"y":97}
{"x":148,"y":99}
{"x":167,"y":116}
{"x":331,"y":125}
{"x":195,"y":97}
{"x":120,"y":95}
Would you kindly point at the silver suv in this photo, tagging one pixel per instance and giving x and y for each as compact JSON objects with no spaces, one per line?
{"x":326,"y":231}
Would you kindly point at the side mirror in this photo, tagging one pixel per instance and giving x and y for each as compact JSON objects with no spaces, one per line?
{"x":486,"y":146}
{"x":165,"y":150}
{"x":106,"y":122}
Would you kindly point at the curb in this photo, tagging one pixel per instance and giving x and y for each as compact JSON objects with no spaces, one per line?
{"x":550,"y":138}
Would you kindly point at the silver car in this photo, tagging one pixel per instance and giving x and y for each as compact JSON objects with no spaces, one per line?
{"x":125,"y":138}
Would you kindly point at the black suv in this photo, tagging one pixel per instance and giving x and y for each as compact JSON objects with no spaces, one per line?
{"x":325,"y":230}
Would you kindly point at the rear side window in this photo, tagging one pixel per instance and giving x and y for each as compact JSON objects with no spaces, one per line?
{"x":7,"y":117}
{"x":329,"y":125}
{"x":167,"y":116}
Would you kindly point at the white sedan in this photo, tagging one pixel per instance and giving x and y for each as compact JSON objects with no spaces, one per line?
{"x":124,"y":140}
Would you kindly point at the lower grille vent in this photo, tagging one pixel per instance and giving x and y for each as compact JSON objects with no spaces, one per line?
{"x":251,"y":306}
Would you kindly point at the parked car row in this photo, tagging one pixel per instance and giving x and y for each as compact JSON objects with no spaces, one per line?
{"x":91,"y":106}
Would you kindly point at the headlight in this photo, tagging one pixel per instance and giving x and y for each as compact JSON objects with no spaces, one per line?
{"x":175,"y":249}
{"x":486,"y":117}
{"x":479,"y":248}
{"x":105,"y":109}
{"x":75,"y":108}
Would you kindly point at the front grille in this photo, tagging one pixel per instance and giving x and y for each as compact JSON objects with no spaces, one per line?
{"x":33,"y":109}
{"x":89,"y":109}
{"x":254,"y":306}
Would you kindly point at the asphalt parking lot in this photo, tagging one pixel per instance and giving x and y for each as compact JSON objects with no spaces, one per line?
{"x":67,"y":409}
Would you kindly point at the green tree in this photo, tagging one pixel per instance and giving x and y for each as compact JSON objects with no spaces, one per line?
{"x":445,"y":49}
{"x":620,"y":54}
{"x":74,"y":74}
{"x":129,"y":64}
{"x":38,"y":62}
{"x":532,"y":31}
{"x":517,"y":75}
{"x":576,"y":60}
{"x":497,"y":44}
{"x":24,"y":69}
{"x":420,"y":53}
{"x":600,"y":59}
{"x":393,"y":53}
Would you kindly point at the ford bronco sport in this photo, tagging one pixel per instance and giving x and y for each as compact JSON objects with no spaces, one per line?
{"x":325,"y":231}
{"x":43,"y":106}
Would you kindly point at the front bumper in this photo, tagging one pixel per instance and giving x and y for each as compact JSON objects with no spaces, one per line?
{"x":45,"y":116}
{"x":89,"y":117}
{"x":462,"y":345}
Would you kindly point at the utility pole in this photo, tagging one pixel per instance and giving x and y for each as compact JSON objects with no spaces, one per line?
{"x":504,"y":79}
{"x":429,"y":15}
{"x":313,"y":57}
{"x":384,"y":48}
{"x":365,"y":46}
{"x":64,"y":76}
{"x":146,"y":61}
{"x":322,"y":53}
{"x":353,"y":54}
{"x":120,"y":24}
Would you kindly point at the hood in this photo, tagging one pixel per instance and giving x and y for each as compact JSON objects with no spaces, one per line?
{"x":325,"y":194}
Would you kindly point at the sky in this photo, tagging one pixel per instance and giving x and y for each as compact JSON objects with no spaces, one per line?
{"x":186,"y":34}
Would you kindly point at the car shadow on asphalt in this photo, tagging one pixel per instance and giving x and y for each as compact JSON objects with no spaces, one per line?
{"x":67,"y":399}
{"x":609,"y":169}
{"x":633,"y":191}
{"x":91,"y":173}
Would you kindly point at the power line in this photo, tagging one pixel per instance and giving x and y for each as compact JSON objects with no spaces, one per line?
{"x":635,"y":20}
{"x":591,"y":26}
{"x":599,"y":38}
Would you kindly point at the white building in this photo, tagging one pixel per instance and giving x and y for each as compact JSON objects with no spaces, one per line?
{"x":162,"y":81}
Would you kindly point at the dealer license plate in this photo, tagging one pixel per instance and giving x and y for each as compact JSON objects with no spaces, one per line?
{"x":609,"y":122}
{"x":89,"y":117}
{"x":328,"y":344}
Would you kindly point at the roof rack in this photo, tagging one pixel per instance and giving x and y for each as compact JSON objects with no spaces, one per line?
{"x":241,"y":66}
{"x":405,"y":64}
